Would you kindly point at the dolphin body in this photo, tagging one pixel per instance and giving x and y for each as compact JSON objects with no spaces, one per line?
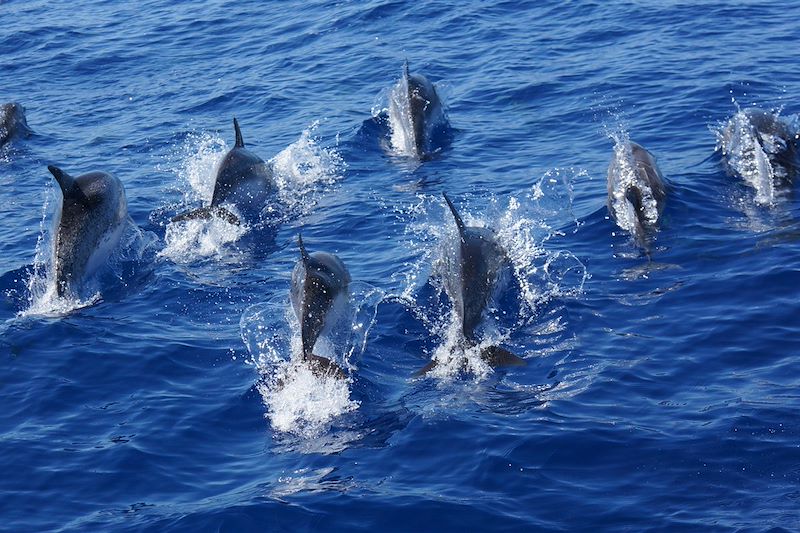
{"x":319,"y":287}
{"x":425,"y":114}
{"x":771,"y":134}
{"x":12,"y":122}
{"x":636,"y":191}
{"x":243,"y":179}
{"x":470,"y":281}
{"x":93,"y":215}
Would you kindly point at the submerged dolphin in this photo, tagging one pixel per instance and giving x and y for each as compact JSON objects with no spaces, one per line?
{"x":416,"y":103}
{"x":754,"y":136}
{"x":89,"y":225}
{"x":636,"y":190}
{"x":319,"y":286}
{"x":243,"y":179}
{"x":470,"y":281}
{"x":12,"y":122}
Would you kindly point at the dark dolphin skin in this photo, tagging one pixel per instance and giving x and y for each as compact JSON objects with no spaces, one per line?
{"x":425,"y":110}
{"x":470,"y":282}
{"x":243,"y":179}
{"x":12,"y":122}
{"x":318,"y":280}
{"x":647,"y":176}
{"x":782,"y":155}
{"x":93,"y":214}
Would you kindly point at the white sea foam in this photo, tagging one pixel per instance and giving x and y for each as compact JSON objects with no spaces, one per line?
{"x":297,"y":400}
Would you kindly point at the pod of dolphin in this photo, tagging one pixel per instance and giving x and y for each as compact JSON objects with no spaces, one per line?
{"x":93,"y":210}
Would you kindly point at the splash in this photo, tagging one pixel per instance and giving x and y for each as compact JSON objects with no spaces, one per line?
{"x":297,"y":400}
{"x":301,"y":168}
{"x":400,"y":123}
{"x":188,"y":241}
{"x":532,"y":278}
{"x":738,"y":141}
{"x":298,"y":170}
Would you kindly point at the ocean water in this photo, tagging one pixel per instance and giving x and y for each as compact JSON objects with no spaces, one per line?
{"x":660,"y":393}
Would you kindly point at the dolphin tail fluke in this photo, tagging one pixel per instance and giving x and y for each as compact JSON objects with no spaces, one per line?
{"x":322,"y":366}
{"x":497,"y":356}
{"x":207,"y":213}
{"x":239,"y":138}
{"x":459,"y":222}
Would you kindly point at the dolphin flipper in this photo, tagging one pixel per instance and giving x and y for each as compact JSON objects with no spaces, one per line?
{"x":497,"y":356}
{"x":425,"y":369}
{"x":322,"y":366}
{"x":207,"y":213}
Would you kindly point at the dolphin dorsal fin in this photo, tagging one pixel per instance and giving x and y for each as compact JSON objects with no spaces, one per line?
{"x":459,"y":222}
{"x":65,"y":181}
{"x":239,"y":138}
{"x":303,"y":253}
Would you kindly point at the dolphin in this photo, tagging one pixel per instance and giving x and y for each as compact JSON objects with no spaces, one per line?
{"x":470,"y":281}
{"x":93,"y":215}
{"x":424,"y":113}
{"x":243,"y":179}
{"x":12,"y":122}
{"x":636,"y":190}
{"x":319,"y":287}
{"x":768,"y":135}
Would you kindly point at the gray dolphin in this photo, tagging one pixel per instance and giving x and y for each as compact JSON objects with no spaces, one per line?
{"x":636,"y":191}
{"x":12,"y":122}
{"x":93,"y":215}
{"x":425,"y":111}
{"x":319,"y":287}
{"x":243,"y":179}
{"x":773,"y":135}
{"x":470,"y":281}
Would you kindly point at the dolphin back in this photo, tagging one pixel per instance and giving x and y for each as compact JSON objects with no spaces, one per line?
{"x":636,"y":190}
{"x":474,"y":271}
{"x":88,"y":228}
{"x":12,"y":122}
{"x":243,"y":178}
{"x":318,"y":280}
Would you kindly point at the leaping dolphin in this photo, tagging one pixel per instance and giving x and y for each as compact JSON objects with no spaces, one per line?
{"x":470,"y":281}
{"x":636,"y":190}
{"x":12,"y":122}
{"x":243,"y":179}
{"x":419,"y":110}
{"x":319,"y":288}
{"x":89,"y":225}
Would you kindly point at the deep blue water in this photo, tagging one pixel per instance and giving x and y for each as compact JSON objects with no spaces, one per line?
{"x":658,"y":395}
